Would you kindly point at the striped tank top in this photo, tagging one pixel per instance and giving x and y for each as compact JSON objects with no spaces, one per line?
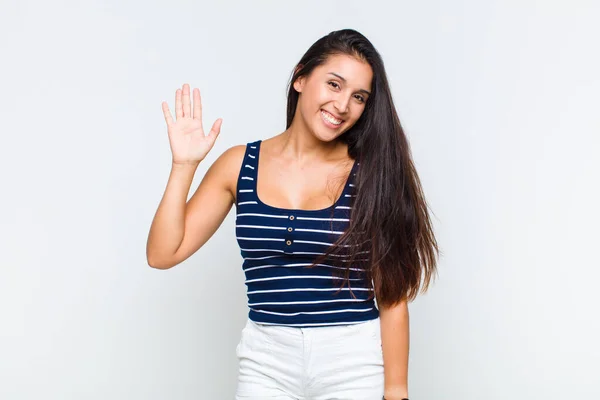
{"x":277,"y":245}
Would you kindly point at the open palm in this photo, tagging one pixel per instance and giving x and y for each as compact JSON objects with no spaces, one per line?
{"x":188,"y":142}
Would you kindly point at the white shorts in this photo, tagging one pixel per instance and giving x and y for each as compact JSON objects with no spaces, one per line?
{"x":343,"y":362}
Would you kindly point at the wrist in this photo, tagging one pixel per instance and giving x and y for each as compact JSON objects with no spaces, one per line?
{"x":395,"y":393}
{"x":185,"y":165}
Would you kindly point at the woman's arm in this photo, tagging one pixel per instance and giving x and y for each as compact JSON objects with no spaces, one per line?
{"x":179,"y":229}
{"x":395,"y":343}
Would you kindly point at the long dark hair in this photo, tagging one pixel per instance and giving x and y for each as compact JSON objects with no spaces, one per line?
{"x":389,"y":220}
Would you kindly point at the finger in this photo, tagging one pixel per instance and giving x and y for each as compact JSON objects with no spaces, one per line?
{"x":216,"y":129}
{"x":167,"y":113}
{"x":197,"y":105}
{"x":178,"y":110}
{"x":186,"y":100}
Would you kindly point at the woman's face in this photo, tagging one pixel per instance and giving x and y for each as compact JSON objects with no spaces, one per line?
{"x":333,"y":97}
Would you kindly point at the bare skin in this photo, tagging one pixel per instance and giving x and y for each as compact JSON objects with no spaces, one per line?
{"x":312,"y":184}
{"x":304,"y":167}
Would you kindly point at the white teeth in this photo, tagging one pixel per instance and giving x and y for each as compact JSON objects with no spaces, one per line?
{"x":330,"y":118}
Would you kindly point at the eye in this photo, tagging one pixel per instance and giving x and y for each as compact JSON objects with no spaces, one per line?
{"x":334,"y":84}
{"x":359,"y":98}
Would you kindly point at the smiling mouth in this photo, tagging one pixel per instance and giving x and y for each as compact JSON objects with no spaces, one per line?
{"x":330,"y":119}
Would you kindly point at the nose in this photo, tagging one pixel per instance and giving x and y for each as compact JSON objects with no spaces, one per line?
{"x":341,"y":103}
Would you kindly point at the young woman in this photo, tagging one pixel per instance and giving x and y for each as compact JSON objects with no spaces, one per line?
{"x":330,"y":217}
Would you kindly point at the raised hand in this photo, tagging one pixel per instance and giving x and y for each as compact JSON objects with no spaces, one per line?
{"x":189,"y":144}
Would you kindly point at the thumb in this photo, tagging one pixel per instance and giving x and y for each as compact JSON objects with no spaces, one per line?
{"x":216,"y":129}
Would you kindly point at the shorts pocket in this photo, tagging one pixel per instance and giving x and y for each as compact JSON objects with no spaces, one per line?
{"x":243,"y":335}
{"x":254,"y":339}
{"x":376,"y":335}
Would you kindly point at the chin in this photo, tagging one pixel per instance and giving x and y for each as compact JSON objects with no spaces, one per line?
{"x":326,"y":134}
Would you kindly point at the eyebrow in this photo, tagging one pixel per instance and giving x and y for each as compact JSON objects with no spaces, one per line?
{"x":344,"y":80}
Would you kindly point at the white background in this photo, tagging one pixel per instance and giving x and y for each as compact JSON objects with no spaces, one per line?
{"x":499,"y":100}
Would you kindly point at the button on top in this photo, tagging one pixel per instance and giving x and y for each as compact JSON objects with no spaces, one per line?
{"x":291,"y":217}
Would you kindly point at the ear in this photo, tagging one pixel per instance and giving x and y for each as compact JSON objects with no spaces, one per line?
{"x":299,"y":83}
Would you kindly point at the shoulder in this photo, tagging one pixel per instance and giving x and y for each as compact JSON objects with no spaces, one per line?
{"x":230,"y":161}
{"x":234,"y":154}
{"x":227,"y":166}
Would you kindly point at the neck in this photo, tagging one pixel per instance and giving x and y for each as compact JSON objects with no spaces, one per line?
{"x":298,"y":143}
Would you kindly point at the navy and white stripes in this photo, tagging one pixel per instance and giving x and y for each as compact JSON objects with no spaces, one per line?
{"x":279,"y":244}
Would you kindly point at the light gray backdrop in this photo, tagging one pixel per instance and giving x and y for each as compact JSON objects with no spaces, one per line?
{"x":499,"y":99}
